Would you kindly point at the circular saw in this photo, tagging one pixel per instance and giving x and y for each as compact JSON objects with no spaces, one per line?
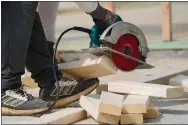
{"x":125,"y":44}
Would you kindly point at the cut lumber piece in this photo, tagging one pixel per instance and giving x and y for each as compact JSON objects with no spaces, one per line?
{"x":180,"y":80}
{"x":148,"y":89}
{"x":62,"y":116}
{"x":131,"y":119}
{"x":73,"y":55}
{"x":152,"y":112}
{"x":91,"y":106}
{"x":90,"y":67}
{"x":88,"y":121}
{"x":111,"y":103}
{"x":135,"y":104}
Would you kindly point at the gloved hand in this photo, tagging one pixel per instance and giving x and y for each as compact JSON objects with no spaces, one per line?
{"x":102,"y":18}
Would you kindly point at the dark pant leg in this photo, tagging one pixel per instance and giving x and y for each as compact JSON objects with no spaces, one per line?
{"x":39,"y":59}
{"x":17,"y":21}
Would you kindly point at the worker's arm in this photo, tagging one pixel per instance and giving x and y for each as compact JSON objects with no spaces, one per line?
{"x":87,"y":6}
{"x":101,"y":17}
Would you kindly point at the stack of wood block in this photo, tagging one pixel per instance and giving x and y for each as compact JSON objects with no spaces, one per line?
{"x":114,"y":108}
{"x":126,"y":103}
{"x":136,"y":108}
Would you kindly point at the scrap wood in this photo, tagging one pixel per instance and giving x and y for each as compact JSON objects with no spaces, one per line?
{"x":62,"y":116}
{"x":131,"y":119}
{"x":111,"y":103}
{"x":90,"y":67}
{"x":136,"y":104}
{"x":91,"y":106}
{"x":152,"y":113}
{"x":180,"y":80}
{"x":157,"y":75}
{"x":147,"y":89}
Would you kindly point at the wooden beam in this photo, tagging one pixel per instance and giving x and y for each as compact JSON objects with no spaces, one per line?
{"x":152,"y":112}
{"x":147,"y":89}
{"x":136,"y":104}
{"x":165,"y":70}
{"x":180,"y":80}
{"x":131,"y":119}
{"x":91,"y":106}
{"x":111,"y":103}
{"x":90,"y":68}
{"x":110,"y":6}
{"x":63,"y":116}
{"x":166,"y":21}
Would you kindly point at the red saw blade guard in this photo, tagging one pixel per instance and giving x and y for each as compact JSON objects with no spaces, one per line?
{"x":129,"y":45}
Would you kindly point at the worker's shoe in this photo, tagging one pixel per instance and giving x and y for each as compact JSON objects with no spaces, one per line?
{"x":70,"y":90}
{"x":18,"y":102}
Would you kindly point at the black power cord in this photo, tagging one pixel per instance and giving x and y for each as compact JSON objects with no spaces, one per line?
{"x":55,"y":64}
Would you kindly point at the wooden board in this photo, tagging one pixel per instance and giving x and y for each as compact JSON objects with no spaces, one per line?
{"x":180,"y":80}
{"x":131,"y":119}
{"x":152,"y":112}
{"x":165,"y":70}
{"x":88,"y":121}
{"x":90,"y":68}
{"x":62,"y":116}
{"x":111,"y":103}
{"x":136,"y":104}
{"x":91,"y":106}
{"x":147,"y":89}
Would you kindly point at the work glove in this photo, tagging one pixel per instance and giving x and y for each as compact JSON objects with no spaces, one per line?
{"x":102,"y":18}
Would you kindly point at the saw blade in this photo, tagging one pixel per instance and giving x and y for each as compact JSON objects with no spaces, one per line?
{"x":101,"y":50}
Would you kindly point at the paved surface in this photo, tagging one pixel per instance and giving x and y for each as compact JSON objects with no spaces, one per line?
{"x":148,"y":19}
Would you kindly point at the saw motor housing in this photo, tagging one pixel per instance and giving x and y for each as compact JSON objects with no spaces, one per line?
{"x":128,"y":39}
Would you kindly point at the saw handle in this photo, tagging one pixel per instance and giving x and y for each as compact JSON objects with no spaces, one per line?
{"x":93,"y":34}
{"x":83,"y":29}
